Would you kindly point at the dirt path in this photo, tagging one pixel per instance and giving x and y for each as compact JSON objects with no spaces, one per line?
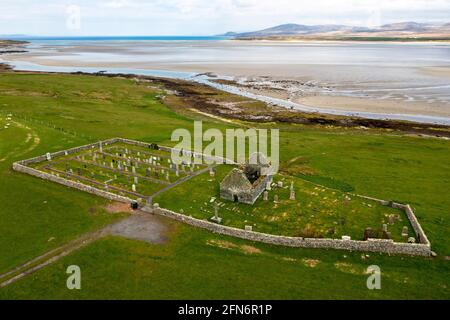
{"x":139,"y":226}
{"x":32,"y":137}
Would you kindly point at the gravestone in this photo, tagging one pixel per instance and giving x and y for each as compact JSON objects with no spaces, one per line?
{"x":133,"y":187}
{"x":266,"y":195}
{"x":280,"y":184}
{"x":411,"y":240}
{"x":405,"y":231}
{"x":136,"y":180}
{"x":216,"y":217}
{"x":292,"y":195}
{"x":248,"y":228}
{"x":49,"y":156}
{"x":275,"y":198}
{"x":367,"y":233}
{"x":346,"y":238}
{"x":384,"y":228}
{"x":269,"y":186}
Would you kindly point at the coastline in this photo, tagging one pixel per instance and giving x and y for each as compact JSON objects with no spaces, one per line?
{"x":187,"y":96}
{"x":314,"y":103}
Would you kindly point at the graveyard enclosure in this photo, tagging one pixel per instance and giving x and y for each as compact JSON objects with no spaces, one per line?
{"x":292,"y":211}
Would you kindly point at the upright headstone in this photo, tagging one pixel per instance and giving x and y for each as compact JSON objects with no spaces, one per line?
{"x":269,"y":186}
{"x":292,"y":195}
{"x":405,"y":231}
{"x":266,"y":195}
{"x":275,"y":198}
{"x":49,"y":156}
{"x":367,"y":233}
{"x":100,"y":147}
{"x":133,"y":187}
{"x":136,"y":180}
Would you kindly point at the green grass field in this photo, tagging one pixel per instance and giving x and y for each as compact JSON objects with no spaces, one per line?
{"x":54,"y":112}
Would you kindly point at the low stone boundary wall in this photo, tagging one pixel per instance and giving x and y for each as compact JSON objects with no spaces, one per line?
{"x":71,"y":184}
{"x":371,"y":245}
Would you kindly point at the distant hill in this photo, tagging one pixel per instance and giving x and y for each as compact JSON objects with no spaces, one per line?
{"x":402,"y":29}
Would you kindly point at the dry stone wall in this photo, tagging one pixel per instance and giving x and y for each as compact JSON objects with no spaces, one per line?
{"x":371,"y":245}
{"x":72,"y":184}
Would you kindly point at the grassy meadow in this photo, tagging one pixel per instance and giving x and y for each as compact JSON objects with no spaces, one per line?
{"x":54,"y":112}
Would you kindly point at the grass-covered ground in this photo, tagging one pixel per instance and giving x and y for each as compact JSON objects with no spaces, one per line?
{"x":317,"y":212}
{"x":54,"y":112}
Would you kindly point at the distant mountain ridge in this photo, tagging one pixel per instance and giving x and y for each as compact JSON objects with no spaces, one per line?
{"x":401,"y":29}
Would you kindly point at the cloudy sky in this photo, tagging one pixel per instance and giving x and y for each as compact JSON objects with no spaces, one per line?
{"x":203,"y":17}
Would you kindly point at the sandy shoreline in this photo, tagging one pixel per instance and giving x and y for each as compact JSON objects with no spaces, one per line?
{"x":311,"y":95}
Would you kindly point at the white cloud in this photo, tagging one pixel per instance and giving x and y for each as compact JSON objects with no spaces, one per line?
{"x":208,"y":16}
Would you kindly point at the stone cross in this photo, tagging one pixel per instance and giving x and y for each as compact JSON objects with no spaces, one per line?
{"x":216,"y":217}
{"x":216,"y":211}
